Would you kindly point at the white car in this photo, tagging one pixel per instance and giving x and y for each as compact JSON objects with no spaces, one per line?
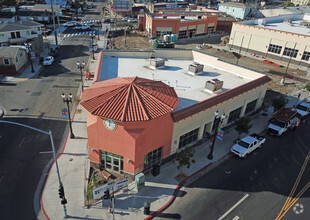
{"x":248,"y":144}
{"x":303,"y":108}
{"x":70,"y":24}
{"x":132,"y":20}
{"x":82,"y":27}
{"x":125,"y":19}
{"x":48,"y":61}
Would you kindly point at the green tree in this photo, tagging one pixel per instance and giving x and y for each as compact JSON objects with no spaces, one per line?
{"x":279,"y":102}
{"x":243,"y":125}
{"x":7,"y":2}
{"x":288,"y":4}
{"x":307,"y":86}
{"x":184,"y":158}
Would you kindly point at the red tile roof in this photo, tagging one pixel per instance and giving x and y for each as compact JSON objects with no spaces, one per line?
{"x":215,"y":100}
{"x":129,"y":99}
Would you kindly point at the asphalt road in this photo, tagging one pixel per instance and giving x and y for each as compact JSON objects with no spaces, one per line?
{"x":267,"y":176}
{"x":36,"y":102}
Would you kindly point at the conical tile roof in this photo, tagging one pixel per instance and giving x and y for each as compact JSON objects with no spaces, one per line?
{"x":129,"y":99}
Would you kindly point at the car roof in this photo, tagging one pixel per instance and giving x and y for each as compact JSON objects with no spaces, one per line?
{"x":249,"y":139}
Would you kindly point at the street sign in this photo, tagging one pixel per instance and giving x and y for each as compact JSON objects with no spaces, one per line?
{"x":111,"y":186}
{"x":64,"y":112}
{"x":220,"y":134}
{"x":99,"y":192}
{"x":122,"y":184}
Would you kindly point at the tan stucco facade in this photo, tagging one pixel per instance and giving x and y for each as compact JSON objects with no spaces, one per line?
{"x":256,"y":39}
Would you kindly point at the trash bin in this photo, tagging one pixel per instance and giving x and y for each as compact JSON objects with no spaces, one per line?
{"x":147,"y":206}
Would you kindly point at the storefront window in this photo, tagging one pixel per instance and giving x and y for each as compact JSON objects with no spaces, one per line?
{"x":152,"y":158}
{"x":188,"y":138}
{"x":111,"y":161}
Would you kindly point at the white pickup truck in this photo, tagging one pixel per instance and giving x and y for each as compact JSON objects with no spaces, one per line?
{"x":248,"y":144}
{"x":303,"y":108}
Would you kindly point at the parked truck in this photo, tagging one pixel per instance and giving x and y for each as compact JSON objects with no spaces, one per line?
{"x":247,"y":145}
{"x":282,"y":120}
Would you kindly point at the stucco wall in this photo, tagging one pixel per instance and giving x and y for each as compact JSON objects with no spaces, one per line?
{"x":132,"y":140}
{"x":258,"y":39}
{"x":207,"y":116}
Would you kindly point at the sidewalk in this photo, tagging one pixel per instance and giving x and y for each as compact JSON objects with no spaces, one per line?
{"x":159,"y":191}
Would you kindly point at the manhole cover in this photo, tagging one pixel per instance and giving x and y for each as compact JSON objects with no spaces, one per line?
{"x":70,"y":159}
{"x":35,"y":93}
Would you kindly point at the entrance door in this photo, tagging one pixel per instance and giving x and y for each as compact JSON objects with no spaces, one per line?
{"x":111,"y":162}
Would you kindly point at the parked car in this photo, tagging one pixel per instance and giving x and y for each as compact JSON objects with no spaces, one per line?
{"x":107,"y":20}
{"x":46,"y":31}
{"x":282,"y":120}
{"x":303,"y":109}
{"x":125,"y":19}
{"x":132,"y":20}
{"x":48,"y":61}
{"x":82,"y":27}
{"x":70,"y":24}
{"x":91,"y":23}
{"x":247,"y":145}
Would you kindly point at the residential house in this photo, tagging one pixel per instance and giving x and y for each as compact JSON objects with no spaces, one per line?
{"x":20,"y":32}
{"x":12,"y":59}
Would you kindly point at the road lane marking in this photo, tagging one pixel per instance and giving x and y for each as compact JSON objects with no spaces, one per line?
{"x":294,"y":200}
{"x":45,"y":152}
{"x":234,"y":206}
{"x":21,"y":143}
{"x":287,"y":202}
{"x":236,"y":217}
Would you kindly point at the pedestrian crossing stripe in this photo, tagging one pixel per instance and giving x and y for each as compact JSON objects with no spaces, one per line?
{"x":79,"y":34}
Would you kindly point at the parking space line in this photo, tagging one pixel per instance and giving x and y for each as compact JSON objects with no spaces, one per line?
{"x":234,"y":206}
{"x":21,"y":143}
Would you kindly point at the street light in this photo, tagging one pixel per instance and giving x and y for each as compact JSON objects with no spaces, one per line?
{"x":81,"y":67}
{"x":92,"y":36}
{"x":217,"y":120}
{"x":99,"y":25}
{"x":63,"y":201}
{"x":29,"y":49}
{"x":68,"y":100}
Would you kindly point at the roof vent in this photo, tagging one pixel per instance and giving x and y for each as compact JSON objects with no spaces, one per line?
{"x":287,"y":21}
{"x":182,"y":16}
{"x":261,"y":22}
{"x":214,"y":85}
{"x":199,"y":17}
{"x":165,"y":16}
{"x":195,"y":68}
{"x":158,"y":62}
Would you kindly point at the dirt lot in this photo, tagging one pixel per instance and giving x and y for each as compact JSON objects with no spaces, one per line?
{"x":136,"y":40}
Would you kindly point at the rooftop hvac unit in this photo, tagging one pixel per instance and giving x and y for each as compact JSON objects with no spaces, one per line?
{"x":199,"y":17}
{"x":305,"y":23}
{"x":164,"y":16}
{"x":214,"y":85}
{"x":195,"y":68}
{"x":158,"y":62}
{"x":287,"y":21}
{"x":182,"y":16}
{"x":261,"y":21}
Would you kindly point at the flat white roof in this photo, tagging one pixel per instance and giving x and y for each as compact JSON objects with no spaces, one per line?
{"x":189,"y":88}
{"x":186,"y":18}
{"x":279,"y":23}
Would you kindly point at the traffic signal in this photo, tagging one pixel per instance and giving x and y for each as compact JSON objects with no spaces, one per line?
{"x":106,"y":194}
{"x":63,"y":201}
{"x":61,"y":192}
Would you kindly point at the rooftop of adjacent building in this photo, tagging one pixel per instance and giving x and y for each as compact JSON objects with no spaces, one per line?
{"x":292,"y":23}
{"x":183,"y":17}
{"x":189,"y":88}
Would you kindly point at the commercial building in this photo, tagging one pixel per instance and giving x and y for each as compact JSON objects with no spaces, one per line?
{"x":284,"y":38}
{"x":140,"y":116}
{"x":185,"y":25}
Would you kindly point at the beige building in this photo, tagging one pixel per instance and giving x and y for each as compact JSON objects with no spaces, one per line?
{"x":283,"y":38}
{"x":12,"y":59}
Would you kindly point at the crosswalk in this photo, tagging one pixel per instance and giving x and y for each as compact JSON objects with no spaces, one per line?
{"x":90,"y":21}
{"x":80,"y":34}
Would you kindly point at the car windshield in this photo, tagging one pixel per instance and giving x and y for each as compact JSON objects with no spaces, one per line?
{"x":48,"y":58}
{"x":277,"y":123}
{"x":301,"y":107}
{"x":243,"y":144}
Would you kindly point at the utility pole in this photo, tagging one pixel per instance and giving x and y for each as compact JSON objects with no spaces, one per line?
{"x":54,"y":25}
{"x":288,"y":64}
